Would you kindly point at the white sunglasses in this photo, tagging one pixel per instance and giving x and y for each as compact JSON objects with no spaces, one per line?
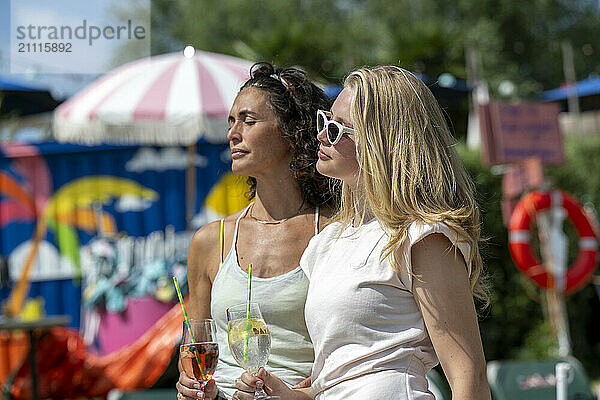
{"x":334,"y":129}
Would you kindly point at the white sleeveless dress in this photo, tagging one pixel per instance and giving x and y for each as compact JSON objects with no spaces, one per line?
{"x":281,"y":300}
{"x":368,"y":334}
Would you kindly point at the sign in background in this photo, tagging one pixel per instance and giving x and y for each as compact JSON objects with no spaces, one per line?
{"x":517,"y":179}
{"x":535,"y":380}
{"x":515,"y":132}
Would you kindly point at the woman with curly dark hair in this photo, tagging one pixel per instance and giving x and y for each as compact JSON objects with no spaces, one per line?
{"x":272,"y":142}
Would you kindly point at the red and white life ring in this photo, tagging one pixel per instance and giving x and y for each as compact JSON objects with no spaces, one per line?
{"x":580,"y":272}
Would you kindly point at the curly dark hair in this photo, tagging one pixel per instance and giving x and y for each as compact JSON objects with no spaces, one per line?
{"x":295,"y":100}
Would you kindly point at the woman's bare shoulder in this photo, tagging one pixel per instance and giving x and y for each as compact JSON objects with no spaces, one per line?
{"x":205,"y":247}
{"x":209,"y":234}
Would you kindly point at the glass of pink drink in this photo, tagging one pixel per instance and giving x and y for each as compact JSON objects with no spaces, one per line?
{"x":199,"y":351}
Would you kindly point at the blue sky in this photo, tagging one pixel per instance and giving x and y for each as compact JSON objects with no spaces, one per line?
{"x":57,"y":13}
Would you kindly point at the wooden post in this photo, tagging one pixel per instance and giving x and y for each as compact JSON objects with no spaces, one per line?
{"x":479,"y":95}
{"x":570,"y":79}
{"x":553,"y":246}
{"x":190,"y":185}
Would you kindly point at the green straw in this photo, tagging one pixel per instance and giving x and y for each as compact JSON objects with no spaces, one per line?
{"x":248,"y":325}
{"x":187,"y":322}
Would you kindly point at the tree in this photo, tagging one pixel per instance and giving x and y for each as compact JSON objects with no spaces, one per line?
{"x":518,"y":41}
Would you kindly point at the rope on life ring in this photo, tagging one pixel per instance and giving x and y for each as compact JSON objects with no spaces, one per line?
{"x":519,"y":237}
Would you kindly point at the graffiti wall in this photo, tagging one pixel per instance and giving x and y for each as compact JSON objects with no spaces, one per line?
{"x":102,"y":226}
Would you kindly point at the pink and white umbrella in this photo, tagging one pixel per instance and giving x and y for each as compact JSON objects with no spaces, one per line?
{"x":169,"y":99}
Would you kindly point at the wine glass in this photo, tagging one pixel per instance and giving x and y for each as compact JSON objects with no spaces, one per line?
{"x":199,"y":351}
{"x":249,"y":340}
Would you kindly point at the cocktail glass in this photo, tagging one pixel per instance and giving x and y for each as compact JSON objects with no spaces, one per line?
{"x":249,"y":340}
{"x":199,"y":351}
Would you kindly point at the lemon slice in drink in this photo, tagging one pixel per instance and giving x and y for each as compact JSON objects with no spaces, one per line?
{"x":239,"y":328}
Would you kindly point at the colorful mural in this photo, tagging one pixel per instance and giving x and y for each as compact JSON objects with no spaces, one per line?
{"x":63,"y":205}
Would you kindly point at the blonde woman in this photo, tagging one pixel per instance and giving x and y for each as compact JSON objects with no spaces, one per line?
{"x":392,"y":283}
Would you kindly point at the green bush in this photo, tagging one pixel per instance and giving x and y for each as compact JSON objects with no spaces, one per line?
{"x":515,"y":325}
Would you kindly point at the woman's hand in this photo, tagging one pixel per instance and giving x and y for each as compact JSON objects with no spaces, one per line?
{"x":248,"y":383}
{"x":188,"y":388}
{"x":305,"y":383}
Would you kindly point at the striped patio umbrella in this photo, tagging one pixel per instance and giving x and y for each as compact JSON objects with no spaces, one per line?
{"x":170,"y":99}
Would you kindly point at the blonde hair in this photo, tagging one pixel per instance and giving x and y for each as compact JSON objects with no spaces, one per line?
{"x":409,"y":165}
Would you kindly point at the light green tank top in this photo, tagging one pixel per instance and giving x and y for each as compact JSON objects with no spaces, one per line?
{"x":281,"y":299}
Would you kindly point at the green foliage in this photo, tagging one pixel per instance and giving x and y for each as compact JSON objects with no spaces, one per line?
{"x":517,"y":41}
{"x":131,"y":49}
{"x":515,"y":326}
{"x":539,"y":344}
{"x":312,"y":34}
